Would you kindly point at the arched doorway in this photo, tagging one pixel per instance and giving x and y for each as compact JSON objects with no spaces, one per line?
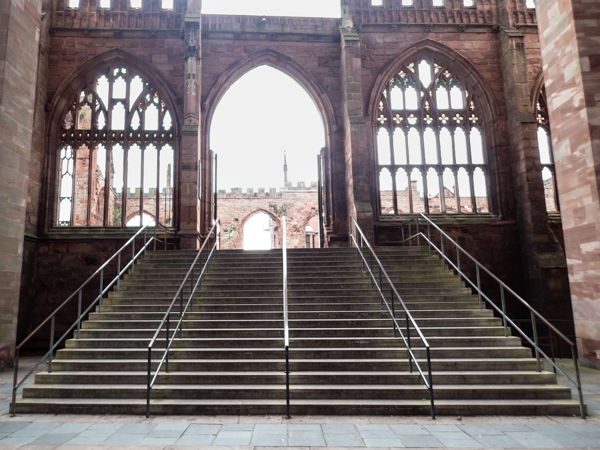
{"x":267,"y":133}
{"x":259,"y":232}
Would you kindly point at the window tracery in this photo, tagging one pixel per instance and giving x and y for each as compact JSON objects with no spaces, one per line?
{"x":430,"y":143}
{"x":545,"y":152}
{"x":116,"y":154}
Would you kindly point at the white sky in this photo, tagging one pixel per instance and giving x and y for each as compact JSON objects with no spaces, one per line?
{"x":264,"y":113}
{"x":290,"y":8}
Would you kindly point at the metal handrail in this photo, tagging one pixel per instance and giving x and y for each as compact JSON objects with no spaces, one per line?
{"x":503,"y":289}
{"x":286,"y":328}
{"x":182,"y":311}
{"x":428,"y":380}
{"x":79,"y":293}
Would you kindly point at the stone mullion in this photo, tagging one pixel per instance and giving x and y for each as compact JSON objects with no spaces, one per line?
{"x":434,"y":113}
{"x":393,"y":167}
{"x":91,"y":149}
{"x":73,"y":180}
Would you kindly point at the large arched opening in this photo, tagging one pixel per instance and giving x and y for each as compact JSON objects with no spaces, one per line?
{"x":267,"y":132}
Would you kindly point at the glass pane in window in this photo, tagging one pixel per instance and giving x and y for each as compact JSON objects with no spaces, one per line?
{"x":442,"y":99}
{"x":544,"y":145}
{"x":105,"y":4}
{"x":134,"y":184}
{"x":115,"y":199}
{"x":456,"y":98}
{"x":66,"y":186}
{"x":383,"y":147}
{"x":411,"y":98}
{"x":402,"y":191}
{"x":135,"y":89}
{"x":118,"y":117}
{"x":416,"y":186}
{"x":397,"y":98}
{"x":480,"y":188}
{"x":400,"y":146}
{"x":385,"y":192}
{"x":430,"y":141}
{"x":102,"y":90}
{"x":135,"y":121}
{"x":425,"y":73}
{"x":101,"y":121}
{"x":414,"y":146}
{"x":464,"y":188}
{"x":446,"y":146}
{"x":119,"y":88}
{"x":84,"y":118}
{"x":80,"y":197}
{"x":449,"y":191}
{"x":166,"y":185}
{"x":150,"y":179}
{"x":98,"y":186}
{"x":530,"y":3}
{"x":73,"y":4}
{"x":151,"y":118}
{"x":476,"y":146}
{"x":167,"y":121}
{"x":460,"y":146}
{"x":469,"y":3}
{"x":433,"y":191}
{"x":549,"y":190}
{"x":167,"y":4}
{"x":135,"y":4}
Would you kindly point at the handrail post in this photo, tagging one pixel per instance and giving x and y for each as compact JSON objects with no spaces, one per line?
{"x":430,"y":382}
{"x":79,"y":313}
{"x":166,"y":239}
{"x":371,"y":270}
{"x":393,"y":311}
{"x":381,"y":287}
{"x":155,"y":227}
{"x":149,"y":381}
{"x":418,"y":235}
{"x":410,"y":234}
{"x":576,"y":363}
{"x":403,"y":240}
{"x":429,"y":237}
{"x":13,"y":405}
{"x":410,"y":365}
{"x":51,"y":343}
{"x":119,"y":271}
{"x":478,"y":285}
{"x":181,"y":312}
{"x":535,"y":340}
{"x":503,"y":299}
{"x":101,"y":289}
{"x":145,"y":229}
{"x":459,"y":269}
{"x":443,"y":252}
{"x":167,"y":344}
{"x":287,"y":380}
{"x":133,"y":257}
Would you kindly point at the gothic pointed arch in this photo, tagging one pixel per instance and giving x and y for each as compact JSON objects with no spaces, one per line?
{"x":113,"y":140}
{"x":432,"y":116}
{"x":539,"y":106}
{"x":278,"y":61}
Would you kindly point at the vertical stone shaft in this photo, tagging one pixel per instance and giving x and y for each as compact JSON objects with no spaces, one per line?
{"x":569,"y":35}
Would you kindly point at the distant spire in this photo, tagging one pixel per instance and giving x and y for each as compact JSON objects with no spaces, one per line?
{"x":285,"y":181}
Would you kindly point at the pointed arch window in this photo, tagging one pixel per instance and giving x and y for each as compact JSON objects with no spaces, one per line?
{"x":116,"y":154}
{"x":430,"y":143}
{"x":545,"y":149}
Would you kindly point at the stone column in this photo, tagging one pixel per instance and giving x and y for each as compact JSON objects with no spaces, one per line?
{"x":19,"y":44}
{"x":190,"y":212}
{"x":543,"y":258}
{"x":569,"y":37}
{"x":359,"y":164}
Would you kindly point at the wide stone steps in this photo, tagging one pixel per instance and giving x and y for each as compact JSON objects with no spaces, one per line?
{"x":344,"y":358}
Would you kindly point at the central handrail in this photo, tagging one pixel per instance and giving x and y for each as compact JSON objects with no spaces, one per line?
{"x":286,"y":328}
{"x":79,"y":293}
{"x":427,"y":380}
{"x":182,"y":311}
{"x":503,"y":289}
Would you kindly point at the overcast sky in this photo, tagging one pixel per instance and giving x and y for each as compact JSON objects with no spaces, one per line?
{"x":263,"y":114}
{"x":297,"y":8}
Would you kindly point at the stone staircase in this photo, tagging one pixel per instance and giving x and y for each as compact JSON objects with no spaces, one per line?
{"x":343,"y":357}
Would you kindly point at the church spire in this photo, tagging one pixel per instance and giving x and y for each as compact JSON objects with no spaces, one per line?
{"x":285,"y":181}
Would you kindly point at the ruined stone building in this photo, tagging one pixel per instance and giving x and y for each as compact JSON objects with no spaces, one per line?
{"x":482,"y":114}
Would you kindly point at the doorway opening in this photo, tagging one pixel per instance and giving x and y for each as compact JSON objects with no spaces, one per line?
{"x":266,"y":133}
